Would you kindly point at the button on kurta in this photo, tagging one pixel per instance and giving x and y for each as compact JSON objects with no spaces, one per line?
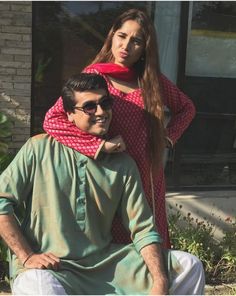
{"x":81,"y":199}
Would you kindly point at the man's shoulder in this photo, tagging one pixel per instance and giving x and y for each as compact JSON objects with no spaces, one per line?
{"x":42,"y":141}
{"x":42,"y":138}
{"x":43,"y":147}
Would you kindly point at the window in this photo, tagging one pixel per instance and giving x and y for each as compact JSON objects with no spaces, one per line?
{"x":205,"y":157}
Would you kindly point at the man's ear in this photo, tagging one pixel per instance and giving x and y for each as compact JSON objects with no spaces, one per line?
{"x":70,"y":116}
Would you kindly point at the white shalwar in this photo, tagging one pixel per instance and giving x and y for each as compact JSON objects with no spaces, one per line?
{"x":190,"y":281}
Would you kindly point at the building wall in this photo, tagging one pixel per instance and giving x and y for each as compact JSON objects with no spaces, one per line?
{"x":215,"y":208}
{"x":15,"y":67}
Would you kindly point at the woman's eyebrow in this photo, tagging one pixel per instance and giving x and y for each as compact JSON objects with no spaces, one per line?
{"x":140,"y":38}
{"x":121,"y":32}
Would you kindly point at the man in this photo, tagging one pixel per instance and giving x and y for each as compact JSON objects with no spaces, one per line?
{"x":65,"y":203}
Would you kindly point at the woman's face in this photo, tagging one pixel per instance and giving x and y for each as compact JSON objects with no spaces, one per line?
{"x":128,"y":44}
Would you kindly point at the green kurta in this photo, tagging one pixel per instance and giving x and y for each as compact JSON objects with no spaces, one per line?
{"x":66,"y":202}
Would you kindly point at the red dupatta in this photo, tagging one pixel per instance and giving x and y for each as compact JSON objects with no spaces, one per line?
{"x":115,"y":71}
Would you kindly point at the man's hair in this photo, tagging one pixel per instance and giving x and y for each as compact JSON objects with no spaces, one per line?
{"x":80,"y":82}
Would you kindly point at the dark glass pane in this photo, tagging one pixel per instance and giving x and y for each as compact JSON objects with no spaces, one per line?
{"x":214,"y":15}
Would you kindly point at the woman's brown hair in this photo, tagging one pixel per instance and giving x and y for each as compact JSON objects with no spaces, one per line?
{"x":148,"y":70}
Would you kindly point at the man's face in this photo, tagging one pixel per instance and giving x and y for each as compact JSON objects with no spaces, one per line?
{"x":89,"y":116}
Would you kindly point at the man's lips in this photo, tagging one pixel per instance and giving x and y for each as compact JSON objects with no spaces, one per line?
{"x":100,"y":120}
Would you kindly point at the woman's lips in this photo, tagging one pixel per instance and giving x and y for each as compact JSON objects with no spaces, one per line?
{"x":124,"y":54}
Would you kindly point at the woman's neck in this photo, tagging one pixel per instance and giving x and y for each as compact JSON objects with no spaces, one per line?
{"x":124,"y":86}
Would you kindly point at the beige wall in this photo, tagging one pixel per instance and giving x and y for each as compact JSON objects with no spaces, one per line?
{"x":15,"y":67}
{"x":215,"y":207}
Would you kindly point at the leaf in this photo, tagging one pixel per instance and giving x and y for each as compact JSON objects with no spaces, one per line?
{"x":5,"y":126}
{"x":3,"y":118}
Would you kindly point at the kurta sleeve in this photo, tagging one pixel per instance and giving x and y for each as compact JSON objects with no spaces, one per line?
{"x":181,"y":108}
{"x":16,"y":180}
{"x":136,"y":213}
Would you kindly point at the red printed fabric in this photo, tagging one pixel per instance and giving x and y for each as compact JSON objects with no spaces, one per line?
{"x":181,"y":107}
{"x":57,"y":125}
{"x":129,"y":122}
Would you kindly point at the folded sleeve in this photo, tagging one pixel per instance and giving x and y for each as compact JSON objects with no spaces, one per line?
{"x":6,"y":206}
{"x":16,"y":180}
{"x":136,"y":213}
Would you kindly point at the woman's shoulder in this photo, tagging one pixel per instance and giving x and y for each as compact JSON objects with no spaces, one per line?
{"x":93,"y":68}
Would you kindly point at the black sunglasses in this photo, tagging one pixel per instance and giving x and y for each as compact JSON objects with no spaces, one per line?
{"x":90,"y":107}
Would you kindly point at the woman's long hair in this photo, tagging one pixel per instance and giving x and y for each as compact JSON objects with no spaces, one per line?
{"x":148,"y":69}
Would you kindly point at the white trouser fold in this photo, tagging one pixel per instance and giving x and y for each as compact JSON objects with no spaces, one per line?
{"x":37,"y":282}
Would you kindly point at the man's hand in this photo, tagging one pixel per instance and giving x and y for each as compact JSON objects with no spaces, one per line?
{"x":43,"y":261}
{"x":11,"y":233}
{"x":114,"y":145}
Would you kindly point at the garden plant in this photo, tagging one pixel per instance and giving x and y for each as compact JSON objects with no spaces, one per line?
{"x":197,"y":237}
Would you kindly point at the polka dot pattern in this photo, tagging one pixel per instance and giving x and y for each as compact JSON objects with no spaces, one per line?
{"x":129,"y":122}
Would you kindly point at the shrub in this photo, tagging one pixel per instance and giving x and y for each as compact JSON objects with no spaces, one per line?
{"x":197,"y":237}
{"x":3,"y":262}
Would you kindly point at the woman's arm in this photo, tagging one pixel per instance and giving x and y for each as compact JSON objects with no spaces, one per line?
{"x":57,"y":125}
{"x":181,"y":108}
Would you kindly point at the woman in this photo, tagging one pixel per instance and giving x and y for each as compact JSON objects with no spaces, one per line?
{"x":129,"y":62}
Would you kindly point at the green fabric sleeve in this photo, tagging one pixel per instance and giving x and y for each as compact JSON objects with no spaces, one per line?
{"x":136,"y":213}
{"x":15,"y":180}
{"x":151,"y":238}
{"x":6,"y":206}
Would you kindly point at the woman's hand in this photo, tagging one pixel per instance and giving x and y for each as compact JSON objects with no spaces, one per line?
{"x":114,"y":145}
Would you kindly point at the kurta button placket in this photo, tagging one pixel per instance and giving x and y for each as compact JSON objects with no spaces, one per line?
{"x":81,"y":199}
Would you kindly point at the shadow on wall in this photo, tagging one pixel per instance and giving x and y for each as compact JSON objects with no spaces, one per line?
{"x":216,"y":207}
